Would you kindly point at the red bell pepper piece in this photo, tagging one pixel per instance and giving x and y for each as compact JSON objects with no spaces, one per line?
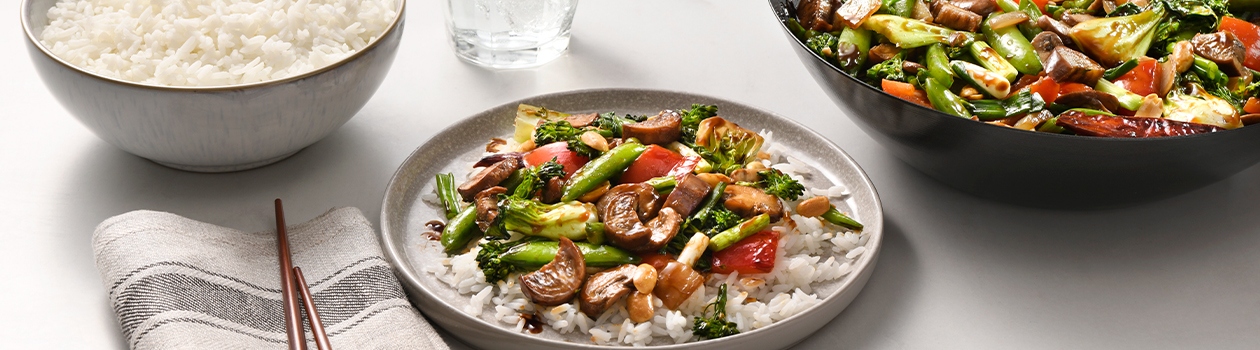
{"x":754,"y":254}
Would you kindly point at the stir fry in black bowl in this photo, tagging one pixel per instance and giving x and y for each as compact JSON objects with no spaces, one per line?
{"x":1162,"y":88}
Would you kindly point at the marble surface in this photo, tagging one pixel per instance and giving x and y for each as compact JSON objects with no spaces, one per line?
{"x":956,"y":272}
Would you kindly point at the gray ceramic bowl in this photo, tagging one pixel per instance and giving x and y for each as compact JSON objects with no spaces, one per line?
{"x":214,"y":129}
{"x":404,"y":214}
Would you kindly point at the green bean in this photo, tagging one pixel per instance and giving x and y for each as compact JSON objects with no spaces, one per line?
{"x":735,"y":234}
{"x":1012,"y":45}
{"x":663,"y":184}
{"x":449,"y":194}
{"x":601,"y":169}
{"x":836,"y":217}
{"x":533,"y":255}
{"x":944,"y":100}
{"x":460,"y":230}
{"x":1113,"y":73}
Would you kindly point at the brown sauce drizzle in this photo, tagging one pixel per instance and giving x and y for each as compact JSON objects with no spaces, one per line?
{"x":435,"y":225}
{"x":533,"y":322}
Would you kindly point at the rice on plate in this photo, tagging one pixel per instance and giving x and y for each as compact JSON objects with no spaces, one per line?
{"x":811,"y":255}
{"x":211,"y":42}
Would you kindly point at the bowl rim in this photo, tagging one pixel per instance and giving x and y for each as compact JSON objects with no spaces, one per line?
{"x":409,"y":276}
{"x":25,"y":9}
{"x":782,"y":16}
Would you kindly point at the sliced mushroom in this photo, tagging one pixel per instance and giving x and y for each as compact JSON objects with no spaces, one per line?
{"x":605,"y":288}
{"x":1092,"y":99}
{"x":687,"y":195}
{"x":497,"y":157}
{"x":581,"y":120}
{"x":487,"y":203}
{"x":954,"y":17}
{"x":552,"y":191}
{"x":1044,"y":44}
{"x":1250,"y":119}
{"x":979,"y":7}
{"x":883,"y":52}
{"x":1068,"y":65}
{"x":1224,"y":49}
{"x":1072,"y":19}
{"x":1055,"y":27}
{"x":659,"y":130}
{"x":488,"y":177}
{"x":625,"y":208}
{"x":749,"y":201}
{"x":815,"y":14}
{"x":557,"y":281}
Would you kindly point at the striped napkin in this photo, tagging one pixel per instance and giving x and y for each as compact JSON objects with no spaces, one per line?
{"x":177,"y":283}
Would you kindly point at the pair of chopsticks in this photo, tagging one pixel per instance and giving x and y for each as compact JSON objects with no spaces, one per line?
{"x":290,"y":275}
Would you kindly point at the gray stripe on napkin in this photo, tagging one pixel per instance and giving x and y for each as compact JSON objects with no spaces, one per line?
{"x":176,"y":283}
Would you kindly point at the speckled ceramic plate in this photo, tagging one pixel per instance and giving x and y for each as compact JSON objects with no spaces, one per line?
{"x":404,"y":214}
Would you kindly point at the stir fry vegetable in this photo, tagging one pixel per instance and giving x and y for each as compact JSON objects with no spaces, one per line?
{"x":1022,"y":63}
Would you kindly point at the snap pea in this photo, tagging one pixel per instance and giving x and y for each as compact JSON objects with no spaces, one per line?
{"x":1012,"y":45}
{"x":460,"y":230}
{"x":735,"y":234}
{"x":601,"y":169}
{"x":836,"y":217}
{"x":535,"y":254}
{"x":938,"y":65}
{"x":903,"y":8}
{"x":449,"y":194}
{"x":856,"y":41}
{"x":945,"y":100}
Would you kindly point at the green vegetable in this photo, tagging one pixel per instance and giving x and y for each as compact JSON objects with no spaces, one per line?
{"x":562,"y":131}
{"x":662,"y":184}
{"x":1012,"y":45}
{"x":911,"y":33}
{"x":854,"y":40}
{"x":460,"y":230}
{"x":449,"y":194}
{"x":726,"y":145}
{"x":716,"y":326}
{"x":836,"y":217}
{"x":609,"y":124}
{"x":527,"y":117}
{"x":531,"y":180}
{"x":993,"y":61}
{"x":1128,"y":9}
{"x":944,"y":100}
{"x":1051,"y":126}
{"x":824,"y":44}
{"x":710,"y":218}
{"x":1030,"y":28}
{"x":778,"y":184}
{"x":566,"y":219}
{"x":903,"y":8}
{"x":989,"y":82}
{"x":1113,"y":73}
{"x":735,"y":234}
{"x":601,"y":169}
{"x":535,"y":254}
{"x":1128,"y":100}
{"x":937,"y":63}
{"x":890,"y":69}
{"x":489,"y":259}
{"x":1208,"y":74}
{"x":691,"y":120}
{"x":1113,"y":40}
{"x":1192,"y":17}
{"x":1023,"y":102}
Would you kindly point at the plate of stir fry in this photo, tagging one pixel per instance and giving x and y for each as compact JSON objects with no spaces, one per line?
{"x":1105,"y":68}
{"x":631,"y":218}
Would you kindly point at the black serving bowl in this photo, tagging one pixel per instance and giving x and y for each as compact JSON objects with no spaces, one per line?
{"x":1031,"y":168}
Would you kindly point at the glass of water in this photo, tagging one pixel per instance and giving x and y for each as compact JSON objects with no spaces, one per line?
{"x":509,"y":33}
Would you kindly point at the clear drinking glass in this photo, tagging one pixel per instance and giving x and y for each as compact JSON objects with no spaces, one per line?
{"x":509,"y":33}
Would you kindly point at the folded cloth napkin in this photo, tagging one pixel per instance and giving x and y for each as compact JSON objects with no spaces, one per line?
{"x":177,"y":283}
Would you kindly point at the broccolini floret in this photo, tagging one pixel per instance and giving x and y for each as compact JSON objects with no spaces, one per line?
{"x":562,"y":131}
{"x":716,"y":326}
{"x":490,"y":262}
{"x":778,"y":184}
{"x":691,"y":120}
{"x":890,"y":69}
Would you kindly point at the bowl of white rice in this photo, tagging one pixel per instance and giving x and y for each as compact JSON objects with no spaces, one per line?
{"x":213,"y":85}
{"x":819,"y":268}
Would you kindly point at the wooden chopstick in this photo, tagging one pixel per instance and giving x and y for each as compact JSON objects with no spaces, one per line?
{"x":308,"y":302}
{"x":292,"y":316}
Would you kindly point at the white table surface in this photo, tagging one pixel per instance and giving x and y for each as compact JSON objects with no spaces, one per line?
{"x":956,"y":271}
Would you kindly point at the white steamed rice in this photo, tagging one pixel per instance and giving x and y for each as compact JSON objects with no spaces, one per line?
{"x":211,"y":42}
{"x":811,"y":253}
